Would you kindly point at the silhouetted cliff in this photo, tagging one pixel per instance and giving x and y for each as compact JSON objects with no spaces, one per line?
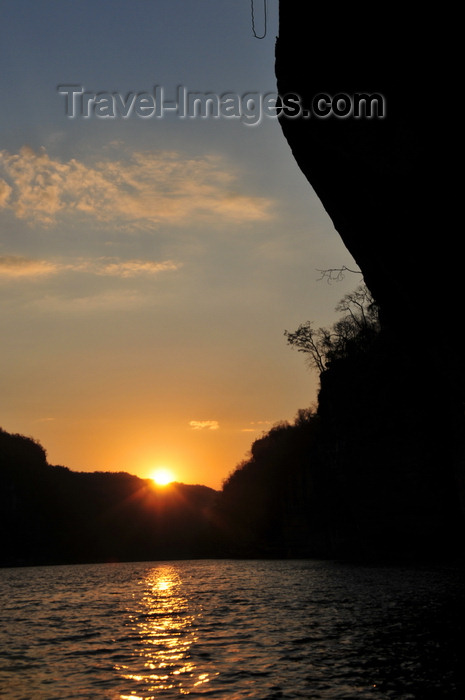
{"x":370,"y":473}
{"x":388,"y":184}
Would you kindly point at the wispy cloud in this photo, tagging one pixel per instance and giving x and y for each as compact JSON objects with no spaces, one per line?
{"x":256,"y":425}
{"x":204,"y":424}
{"x":110,"y":300}
{"x":131,"y":268}
{"x":12,"y":266}
{"x":5,"y":191}
{"x":143,"y":189}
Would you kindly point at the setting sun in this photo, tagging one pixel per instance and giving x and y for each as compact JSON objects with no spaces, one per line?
{"x":162,"y":476}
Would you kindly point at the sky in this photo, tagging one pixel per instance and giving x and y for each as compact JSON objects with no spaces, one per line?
{"x":151,"y":255}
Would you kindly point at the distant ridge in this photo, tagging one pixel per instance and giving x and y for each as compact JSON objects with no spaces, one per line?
{"x":50,"y":514}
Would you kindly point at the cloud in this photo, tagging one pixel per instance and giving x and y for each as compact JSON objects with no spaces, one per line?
{"x":15,"y":266}
{"x":204,"y":424}
{"x":131,"y":268}
{"x":5,"y":191}
{"x":143,"y":189}
{"x":256,"y":425}
{"x":18,"y":267}
{"x":113,"y":300}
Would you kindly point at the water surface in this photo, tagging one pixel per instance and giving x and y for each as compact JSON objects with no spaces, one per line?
{"x":232,"y":630}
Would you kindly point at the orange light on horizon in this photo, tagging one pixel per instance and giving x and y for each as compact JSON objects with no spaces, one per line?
{"x":162,"y":476}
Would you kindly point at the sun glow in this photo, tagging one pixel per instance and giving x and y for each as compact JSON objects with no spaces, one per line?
{"x":162,"y":476}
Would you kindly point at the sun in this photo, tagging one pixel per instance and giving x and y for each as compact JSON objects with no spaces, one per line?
{"x":162,"y":476}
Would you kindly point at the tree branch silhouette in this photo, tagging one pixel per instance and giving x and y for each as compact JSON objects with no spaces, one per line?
{"x":336,"y":274}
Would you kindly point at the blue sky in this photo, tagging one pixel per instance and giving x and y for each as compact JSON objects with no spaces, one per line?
{"x":149,"y":266}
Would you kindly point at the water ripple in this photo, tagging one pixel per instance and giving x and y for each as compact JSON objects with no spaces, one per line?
{"x":230,"y":630}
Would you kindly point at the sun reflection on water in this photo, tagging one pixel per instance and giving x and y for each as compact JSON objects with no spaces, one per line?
{"x":166,"y":630}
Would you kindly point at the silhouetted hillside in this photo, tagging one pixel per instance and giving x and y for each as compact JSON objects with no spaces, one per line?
{"x":266,"y":503}
{"x":370,"y":473}
{"x":50,"y":514}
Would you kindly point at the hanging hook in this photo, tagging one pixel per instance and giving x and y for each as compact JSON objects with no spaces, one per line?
{"x":257,"y":36}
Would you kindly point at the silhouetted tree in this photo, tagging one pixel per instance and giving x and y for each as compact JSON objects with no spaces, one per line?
{"x":355,"y":478}
{"x":353,"y":333}
{"x":381,"y":485}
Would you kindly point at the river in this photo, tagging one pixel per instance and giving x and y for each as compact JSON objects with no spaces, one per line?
{"x":231,"y":629}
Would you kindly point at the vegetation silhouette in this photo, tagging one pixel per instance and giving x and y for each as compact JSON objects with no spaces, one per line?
{"x":352,"y":478}
{"x":355,"y":478}
{"x":50,"y":514}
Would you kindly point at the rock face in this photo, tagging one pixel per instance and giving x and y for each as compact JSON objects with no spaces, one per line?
{"x":385,"y":183}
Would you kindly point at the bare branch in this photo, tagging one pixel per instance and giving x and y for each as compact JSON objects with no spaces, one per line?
{"x":336,"y":274}
{"x":354,"y":332}
{"x":309,"y":341}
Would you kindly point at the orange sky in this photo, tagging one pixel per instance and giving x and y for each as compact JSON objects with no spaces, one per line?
{"x":148,"y":269}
